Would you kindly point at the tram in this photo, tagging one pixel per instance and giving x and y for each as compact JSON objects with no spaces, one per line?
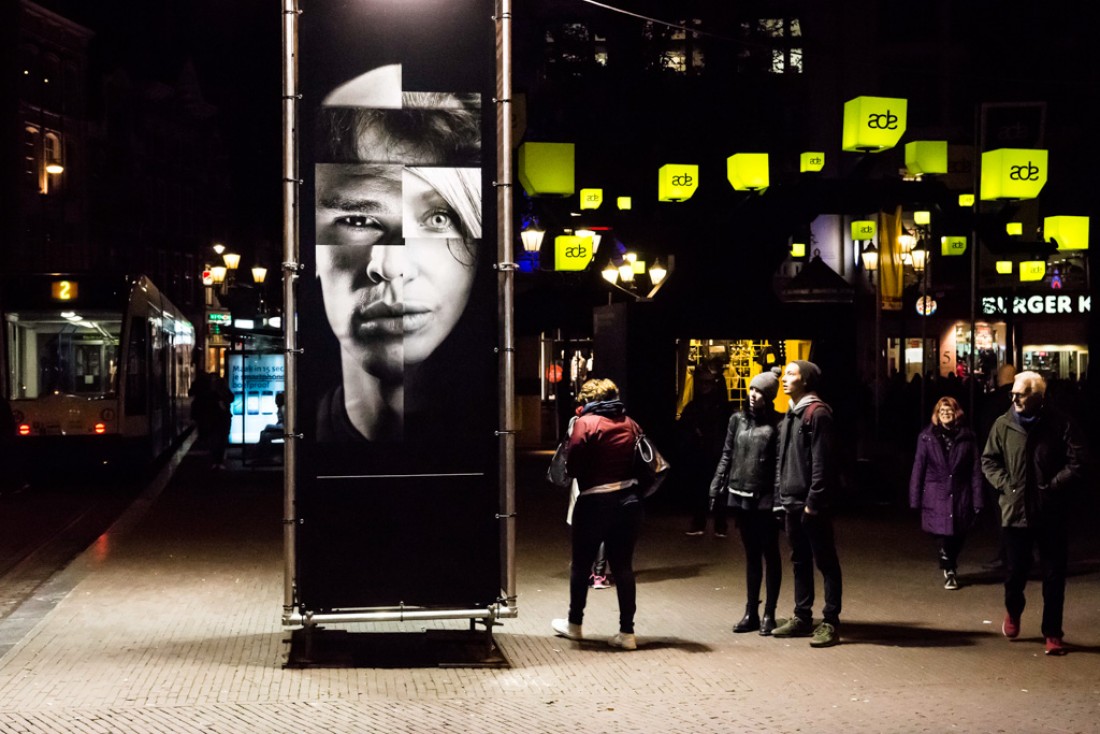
{"x":95,"y":368}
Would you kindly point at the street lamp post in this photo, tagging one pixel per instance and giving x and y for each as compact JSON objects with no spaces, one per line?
{"x":870,"y":264}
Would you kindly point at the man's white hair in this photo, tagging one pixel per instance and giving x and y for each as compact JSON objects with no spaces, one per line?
{"x":1027,"y":377}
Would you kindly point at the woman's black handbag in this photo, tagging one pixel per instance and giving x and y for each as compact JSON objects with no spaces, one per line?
{"x":650,"y":468}
{"x":556,"y":473}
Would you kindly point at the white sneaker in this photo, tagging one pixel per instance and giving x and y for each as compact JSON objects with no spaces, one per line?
{"x":565,"y":628}
{"x":625,"y":640}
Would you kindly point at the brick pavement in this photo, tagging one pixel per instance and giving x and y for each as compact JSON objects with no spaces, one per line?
{"x":170,"y":623}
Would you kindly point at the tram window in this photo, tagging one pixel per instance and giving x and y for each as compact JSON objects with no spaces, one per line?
{"x":62,"y":351}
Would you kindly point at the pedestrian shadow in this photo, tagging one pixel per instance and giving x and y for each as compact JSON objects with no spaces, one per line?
{"x":900,"y":634}
{"x":654,"y":575}
{"x":645,"y":642}
{"x":669,"y":573}
{"x":992,"y":577}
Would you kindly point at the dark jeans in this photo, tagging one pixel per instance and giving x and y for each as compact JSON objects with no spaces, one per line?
{"x":615,"y":519}
{"x":760,"y":536}
{"x":950,"y":546}
{"x":1053,"y":557}
{"x":812,"y":541}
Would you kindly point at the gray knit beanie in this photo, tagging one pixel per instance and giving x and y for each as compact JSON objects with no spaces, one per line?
{"x":767,"y":383}
{"x":811,"y":373}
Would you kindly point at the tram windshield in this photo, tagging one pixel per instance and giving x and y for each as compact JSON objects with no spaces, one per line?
{"x":62,"y":352}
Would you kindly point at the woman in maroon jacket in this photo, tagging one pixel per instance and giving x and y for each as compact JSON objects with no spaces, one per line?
{"x":946,"y":484}
{"x":608,"y":510}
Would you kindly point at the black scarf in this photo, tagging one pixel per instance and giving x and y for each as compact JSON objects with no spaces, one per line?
{"x":610,"y":408}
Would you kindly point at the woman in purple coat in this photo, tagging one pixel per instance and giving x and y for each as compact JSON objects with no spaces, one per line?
{"x":946,"y":484}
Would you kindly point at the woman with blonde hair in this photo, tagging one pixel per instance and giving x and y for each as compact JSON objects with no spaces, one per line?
{"x":608,"y":509}
{"x":946,"y":483}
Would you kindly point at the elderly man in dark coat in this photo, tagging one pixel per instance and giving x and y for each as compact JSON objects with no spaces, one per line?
{"x":946,"y":483}
{"x":1034,"y":458}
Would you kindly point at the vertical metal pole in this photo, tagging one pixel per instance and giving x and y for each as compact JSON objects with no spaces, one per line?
{"x":974,"y":260}
{"x":506,"y":301}
{"x":291,"y":183}
{"x":878,"y":355}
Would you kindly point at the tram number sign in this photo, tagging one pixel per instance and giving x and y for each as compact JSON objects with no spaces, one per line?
{"x":64,"y":290}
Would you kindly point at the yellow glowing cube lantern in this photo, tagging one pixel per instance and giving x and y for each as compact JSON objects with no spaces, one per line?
{"x":1014,"y":228}
{"x":624,"y":203}
{"x":572,"y":252}
{"x":923,"y":217}
{"x":547,"y":169}
{"x":1069,"y":233}
{"x":863,"y":229}
{"x":1032,"y":270}
{"x":591,"y":198}
{"x":966,"y":200}
{"x":747,"y":171}
{"x":1004,"y":267}
{"x":798,"y":249}
{"x":677,"y":181}
{"x":1013,"y":173}
{"x":811,"y":161}
{"x":873,"y":124}
{"x":953,"y":245}
{"x":926,"y":156}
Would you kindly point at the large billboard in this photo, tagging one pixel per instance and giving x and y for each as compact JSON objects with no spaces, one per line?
{"x":397,"y":489}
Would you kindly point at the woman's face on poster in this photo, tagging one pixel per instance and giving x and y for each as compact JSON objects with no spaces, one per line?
{"x":394,"y":267}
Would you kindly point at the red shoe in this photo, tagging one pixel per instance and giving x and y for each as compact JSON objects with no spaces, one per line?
{"x":1055,"y":646}
{"x":1010,"y":628}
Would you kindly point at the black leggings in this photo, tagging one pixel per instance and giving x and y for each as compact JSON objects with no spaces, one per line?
{"x":760,"y":536}
{"x":612,"y":518}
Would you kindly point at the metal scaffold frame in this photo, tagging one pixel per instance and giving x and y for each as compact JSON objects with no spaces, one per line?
{"x":505,"y":606}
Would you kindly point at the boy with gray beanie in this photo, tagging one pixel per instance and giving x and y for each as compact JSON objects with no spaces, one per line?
{"x":806,"y":484}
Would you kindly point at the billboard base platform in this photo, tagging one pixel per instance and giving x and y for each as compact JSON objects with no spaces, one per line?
{"x":317,"y":647}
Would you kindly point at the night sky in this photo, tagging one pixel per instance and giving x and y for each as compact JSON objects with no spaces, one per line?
{"x":235,"y":47}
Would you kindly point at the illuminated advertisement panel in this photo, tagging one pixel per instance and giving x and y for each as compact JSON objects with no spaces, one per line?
{"x":257,"y":382}
{"x":398,"y":489}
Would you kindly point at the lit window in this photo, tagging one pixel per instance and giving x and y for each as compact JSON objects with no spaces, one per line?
{"x":779,"y":35}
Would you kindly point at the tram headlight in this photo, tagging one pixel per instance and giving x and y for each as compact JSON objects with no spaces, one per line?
{"x":24,"y":429}
{"x":100,"y":428}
